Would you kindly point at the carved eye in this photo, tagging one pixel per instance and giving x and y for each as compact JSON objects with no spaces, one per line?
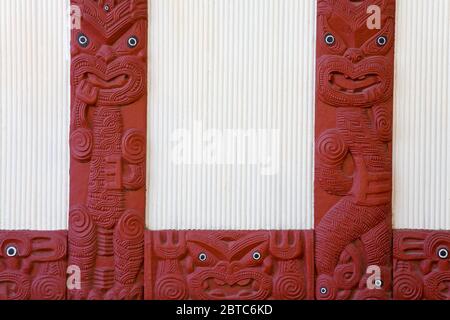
{"x":381,"y":41}
{"x":379,"y":283}
{"x":11,"y":251}
{"x":329,"y":39}
{"x":83,"y":40}
{"x":202,"y":256}
{"x":443,"y":253}
{"x":256,"y":255}
{"x":132,"y":41}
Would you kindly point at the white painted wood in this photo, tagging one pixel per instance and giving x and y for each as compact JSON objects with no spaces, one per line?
{"x":34,"y":114}
{"x":422,"y":115}
{"x":217,"y":65}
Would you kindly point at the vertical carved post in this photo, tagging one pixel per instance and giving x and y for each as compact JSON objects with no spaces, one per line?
{"x":354,"y":84}
{"x":107,"y":143}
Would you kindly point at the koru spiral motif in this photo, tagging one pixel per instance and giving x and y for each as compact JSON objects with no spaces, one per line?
{"x":33,"y":265}
{"x":229,"y":265}
{"x":107,"y":143}
{"x":353,"y":152}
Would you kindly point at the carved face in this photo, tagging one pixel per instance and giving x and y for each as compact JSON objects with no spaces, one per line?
{"x":108,"y":53}
{"x":229,"y":266}
{"x":354,"y":69}
{"x":21,"y":255}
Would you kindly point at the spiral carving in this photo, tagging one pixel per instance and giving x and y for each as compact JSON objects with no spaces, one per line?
{"x":81,"y":143}
{"x":133,"y":146}
{"x":435,"y":241}
{"x":433,"y":285}
{"x":48,"y":288}
{"x":22,"y":285}
{"x":81,"y":225}
{"x":171,"y":288}
{"x":290,"y":287}
{"x":131,"y":226}
{"x":407,"y":286}
{"x":331,"y":148}
{"x":383,"y":123}
{"x":326,"y":288}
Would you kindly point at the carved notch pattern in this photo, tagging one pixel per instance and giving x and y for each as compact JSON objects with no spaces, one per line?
{"x":33,"y":265}
{"x":421,"y":265}
{"x":107,"y":143}
{"x":353,"y":149}
{"x":229,"y":265}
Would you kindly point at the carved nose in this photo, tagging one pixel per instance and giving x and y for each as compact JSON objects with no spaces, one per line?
{"x":106,"y":54}
{"x":228,"y":268}
{"x":354,"y":55}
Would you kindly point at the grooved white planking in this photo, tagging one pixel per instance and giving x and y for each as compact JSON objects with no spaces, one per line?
{"x":223,"y":70}
{"x":422,"y":115}
{"x":34,"y":114}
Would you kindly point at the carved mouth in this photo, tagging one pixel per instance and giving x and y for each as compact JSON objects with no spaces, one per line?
{"x":216,"y":285}
{"x":221,"y":289}
{"x":115,"y":82}
{"x":341,"y":83}
{"x":345,"y":83}
{"x":119,"y":82}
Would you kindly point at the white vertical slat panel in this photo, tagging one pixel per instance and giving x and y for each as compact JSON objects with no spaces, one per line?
{"x":34,"y":114}
{"x":422,"y":115}
{"x":231,"y":64}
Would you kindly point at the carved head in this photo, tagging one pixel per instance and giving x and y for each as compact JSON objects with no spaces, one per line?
{"x":109,"y":52}
{"x":22,"y":256}
{"x":354,"y":68}
{"x":230,"y":266}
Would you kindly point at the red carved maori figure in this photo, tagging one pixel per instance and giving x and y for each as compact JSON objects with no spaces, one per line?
{"x":353,"y":149}
{"x":229,"y":265}
{"x":421,"y":265}
{"x":107,"y":142}
{"x":33,"y":265}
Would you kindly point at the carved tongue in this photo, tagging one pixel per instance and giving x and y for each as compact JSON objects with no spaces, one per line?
{"x":86,"y":92}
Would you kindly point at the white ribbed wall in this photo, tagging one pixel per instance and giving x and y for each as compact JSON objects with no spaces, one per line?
{"x":422,"y":115}
{"x":34,"y":114}
{"x":231,"y":64}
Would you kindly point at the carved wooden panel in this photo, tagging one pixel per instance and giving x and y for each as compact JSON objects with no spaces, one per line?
{"x":107,"y":143}
{"x":33,"y":265}
{"x":354,"y":86}
{"x":421,"y":265}
{"x":229,"y":265}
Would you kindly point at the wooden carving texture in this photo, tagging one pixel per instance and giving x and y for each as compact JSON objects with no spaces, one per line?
{"x":421,"y":265}
{"x":229,"y":265}
{"x":107,"y":143}
{"x":353,"y":149}
{"x":33,"y":265}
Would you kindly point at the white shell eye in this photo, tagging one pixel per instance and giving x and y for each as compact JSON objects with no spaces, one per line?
{"x":323,"y":290}
{"x":83,"y":40}
{"x":329,"y":39}
{"x":443,"y":253}
{"x":11,"y":251}
{"x":202,"y":256}
{"x":106,"y":7}
{"x":256,"y":255}
{"x":381,"y":41}
{"x":132,"y":41}
{"x":378,"y":283}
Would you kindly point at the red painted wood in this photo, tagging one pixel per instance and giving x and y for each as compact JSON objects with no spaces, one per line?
{"x":33,"y":265}
{"x":229,"y":265}
{"x":107,"y":142}
{"x":421,"y":265}
{"x":353,"y":148}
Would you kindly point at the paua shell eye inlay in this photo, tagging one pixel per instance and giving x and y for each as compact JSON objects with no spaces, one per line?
{"x":83,"y":40}
{"x":132,"y":41}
